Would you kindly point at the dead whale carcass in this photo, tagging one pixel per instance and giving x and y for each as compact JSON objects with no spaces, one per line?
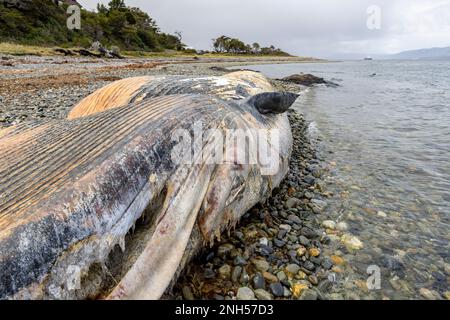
{"x":71,"y":191}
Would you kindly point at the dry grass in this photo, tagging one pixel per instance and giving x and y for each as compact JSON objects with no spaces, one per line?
{"x":22,"y":50}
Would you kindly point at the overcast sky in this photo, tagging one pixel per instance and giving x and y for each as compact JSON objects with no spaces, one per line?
{"x":322,"y":28}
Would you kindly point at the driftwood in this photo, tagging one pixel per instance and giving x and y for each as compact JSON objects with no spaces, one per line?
{"x":66,"y":52}
{"x":87,"y":53}
{"x":307,"y":80}
{"x":226,"y":70}
{"x":103,"y":53}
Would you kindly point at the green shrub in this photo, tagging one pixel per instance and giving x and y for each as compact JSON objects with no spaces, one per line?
{"x":44,"y":23}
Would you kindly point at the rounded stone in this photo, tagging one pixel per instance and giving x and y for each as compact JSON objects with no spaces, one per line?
{"x":313,"y":279}
{"x":281,"y":276}
{"x":259,"y":282}
{"x":298,"y":288}
{"x":303,"y":240}
{"x":342,"y":226}
{"x":314,"y":252}
{"x":244,"y":278}
{"x":187,"y":293}
{"x":277,"y":289}
{"x":292,"y":203}
{"x":292,"y":269}
{"x":262,"y":294}
{"x":239,"y":261}
{"x":429,"y":294}
{"x":279,"y":243}
{"x":235,"y":276}
{"x":286,"y":227}
{"x":270,"y":277}
{"x":224,"y":249}
{"x":301,"y":251}
{"x":329,"y":224}
{"x":337,"y":260}
{"x":225,"y":272}
{"x":294,"y":219}
{"x":261,"y":265}
{"x":245,"y":293}
{"x":308,"y":294}
{"x":351,"y":242}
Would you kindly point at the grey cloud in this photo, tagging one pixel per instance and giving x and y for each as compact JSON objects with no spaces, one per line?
{"x":303,"y":27}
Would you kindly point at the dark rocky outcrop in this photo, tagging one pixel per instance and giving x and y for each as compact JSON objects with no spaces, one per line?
{"x":307,"y":80}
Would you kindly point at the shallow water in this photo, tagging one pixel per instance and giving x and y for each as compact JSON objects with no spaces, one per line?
{"x":386,"y":134}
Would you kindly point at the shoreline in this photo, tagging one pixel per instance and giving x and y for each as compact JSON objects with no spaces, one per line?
{"x":36,"y":88}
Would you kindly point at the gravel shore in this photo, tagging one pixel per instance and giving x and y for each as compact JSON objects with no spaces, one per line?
{"x":47,"y":87}
{"x":278,"y":251}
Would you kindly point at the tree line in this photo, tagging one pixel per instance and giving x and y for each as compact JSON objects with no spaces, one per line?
{"x":44,"y":23}
{"x":225,"y":44}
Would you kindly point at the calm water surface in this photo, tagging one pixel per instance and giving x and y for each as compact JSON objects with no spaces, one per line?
{"x":386,"y":132}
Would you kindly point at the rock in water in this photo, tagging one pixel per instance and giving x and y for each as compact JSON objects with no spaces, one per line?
{"x":225,"y":272}
{"x":329,"y":224}
{"x":351,"y":242}
{"x":72,"y":189}
{"x":307,"y":80}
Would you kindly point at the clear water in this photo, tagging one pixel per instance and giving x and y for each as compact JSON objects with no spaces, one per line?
{"x":386,"y":131}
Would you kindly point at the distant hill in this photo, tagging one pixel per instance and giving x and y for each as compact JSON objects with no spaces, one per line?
{"x":420,"y":54}
{"x":430,"y":53}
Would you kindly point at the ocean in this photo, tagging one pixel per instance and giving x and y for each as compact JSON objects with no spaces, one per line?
{"x":385,"y":131}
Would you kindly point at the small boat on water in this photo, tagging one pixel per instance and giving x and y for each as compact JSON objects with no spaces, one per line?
{"x":368,"y":58}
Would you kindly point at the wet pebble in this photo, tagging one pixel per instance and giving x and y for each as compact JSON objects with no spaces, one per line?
{"x":262,"y":294}
{"x":187,"y":293}
{"x":279,"y":243}
{"x":225,"y":271}
{"x":329,"y":224}
{"x":292,"y":203}
{"x":308,"y":294}
{"x":281,"y":276}
{"x":292,"y":269}
{"x":239,"y":261}
{"x":236,"y":275}
{"x":245,"y":293}
{"x":277,"y":289}
{"x":261,"y":265}
{"x":259,"y":282}
{"x":303,"y":240}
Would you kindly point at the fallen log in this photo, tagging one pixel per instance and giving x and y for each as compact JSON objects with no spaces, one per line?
{"x":87,"y":53}
{"x":66,"y":52}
